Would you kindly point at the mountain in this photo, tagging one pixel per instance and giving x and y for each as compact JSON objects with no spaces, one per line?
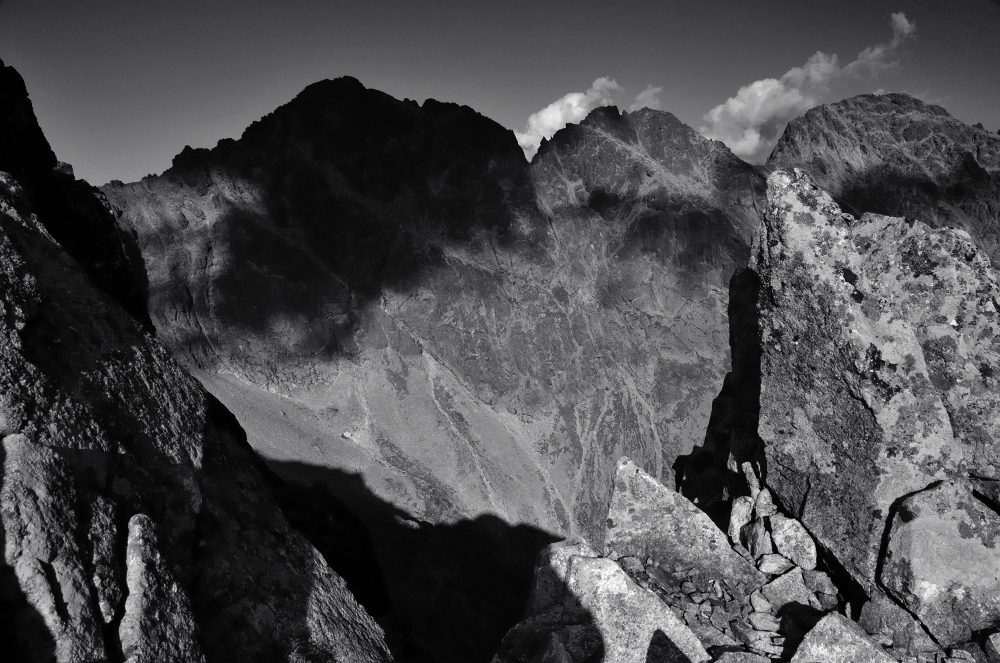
{"x":394,"y":303}
{"x":894,"y":154}
{"x":137,"y":523}
{"x":73,"y":212}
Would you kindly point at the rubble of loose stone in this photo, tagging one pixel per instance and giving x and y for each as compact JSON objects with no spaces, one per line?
{"x":739,"y":608}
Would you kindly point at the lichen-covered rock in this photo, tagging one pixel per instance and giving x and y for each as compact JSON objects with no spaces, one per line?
{"x":943,"y":560}
{"x":836,"y":639}
{"x":647,"y":519}
{"x":634,"y":623}
{"x":115,"y":458}
{"x":793,"y":541}
{"x":885,"y":620}
{"x":875,"y":341}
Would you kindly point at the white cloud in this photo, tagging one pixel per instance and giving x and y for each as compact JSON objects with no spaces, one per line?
{"x":750,"y":122}
{"x":648,"y":98}
{"x":571,"y":108}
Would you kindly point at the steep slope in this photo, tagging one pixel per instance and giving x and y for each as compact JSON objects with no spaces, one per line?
{"x":73,"y":212}
{"x":894,"y":154}
{"x":375,"y":290}
{"x":138,"y":525}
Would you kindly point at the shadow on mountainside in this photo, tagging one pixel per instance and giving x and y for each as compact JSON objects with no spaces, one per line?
{"x":23,"y":633}
{"x":705,"y":476}
{"x":455,"y":589}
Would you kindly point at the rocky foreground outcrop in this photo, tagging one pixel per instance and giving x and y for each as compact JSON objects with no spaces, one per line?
{"x":76,"y":214}
{"x":138,"y":525}
{"x":668,"y":585}
{"x":894,"y":154}
{"x":864,"y":395}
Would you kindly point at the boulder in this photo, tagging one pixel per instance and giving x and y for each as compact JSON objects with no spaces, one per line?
{"x":873,"y":342}
{"x":601,"y":611}
{"x":773,"y":564}
{"x":548,"y":586}
{"x":739,"y":516}
{"x":632,"y":621}
{"x":647,"y":519}
{"x":943,"y":560}
{"x":992,"y":648}
{"x":793,"y":541}
{"x":741,"y":657}
{"x":883,"y":619}
{"x":789,"y":588}
{"x":757,"y":539}
{"x":836,"y":639}
{"x":763,"y":506}
{"x":158,"y":624}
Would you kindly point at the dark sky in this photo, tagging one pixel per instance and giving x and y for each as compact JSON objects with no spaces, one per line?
{"x":120,"y":86}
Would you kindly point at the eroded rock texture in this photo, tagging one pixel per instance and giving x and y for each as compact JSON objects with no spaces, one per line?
{"x":876,"y":346}
{"x":137,"y":524}
{"x":894,"y":154}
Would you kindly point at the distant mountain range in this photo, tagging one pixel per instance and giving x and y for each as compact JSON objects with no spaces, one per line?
{"x":457,"y":344}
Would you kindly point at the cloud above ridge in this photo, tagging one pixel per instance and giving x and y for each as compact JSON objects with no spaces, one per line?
{"x":572,"y":107}
{"x":750,"y":122}
{"x":648,"y":98}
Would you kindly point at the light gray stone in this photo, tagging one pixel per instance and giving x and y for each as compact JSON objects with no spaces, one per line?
{"x":627,"y":616}
{"x":943,"y":561}
{"x":158,"y":625}
{"x":549,"y":582}
{"x":739,"y":516}
{"x":757,"y":539}
{"x":789,"y":588}
{"x":793,"y":541}
{"x":763,"y":506}
{"x":773,"y":564}
{"x":647,"y":519}
{"x":836,"y":639}
{"x":763,"y":621}
{"x":992,"y":648}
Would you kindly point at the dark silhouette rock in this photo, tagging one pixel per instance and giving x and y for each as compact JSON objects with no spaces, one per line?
{"x":76,"y":214}
{"x":137,"y":523}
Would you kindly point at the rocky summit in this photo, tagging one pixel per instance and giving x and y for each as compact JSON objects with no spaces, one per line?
{"x":365,"y":385}
{"x":894,"y":154}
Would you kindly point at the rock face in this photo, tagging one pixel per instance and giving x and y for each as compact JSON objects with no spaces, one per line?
{"x":528,"y":327}
{"x":942,"y":560}
{"x":874,"y":342}
{"x":137,"y":522}
{"x":896,"y":155}
{"x":76,"y":214}
{"x":390,"y":291}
